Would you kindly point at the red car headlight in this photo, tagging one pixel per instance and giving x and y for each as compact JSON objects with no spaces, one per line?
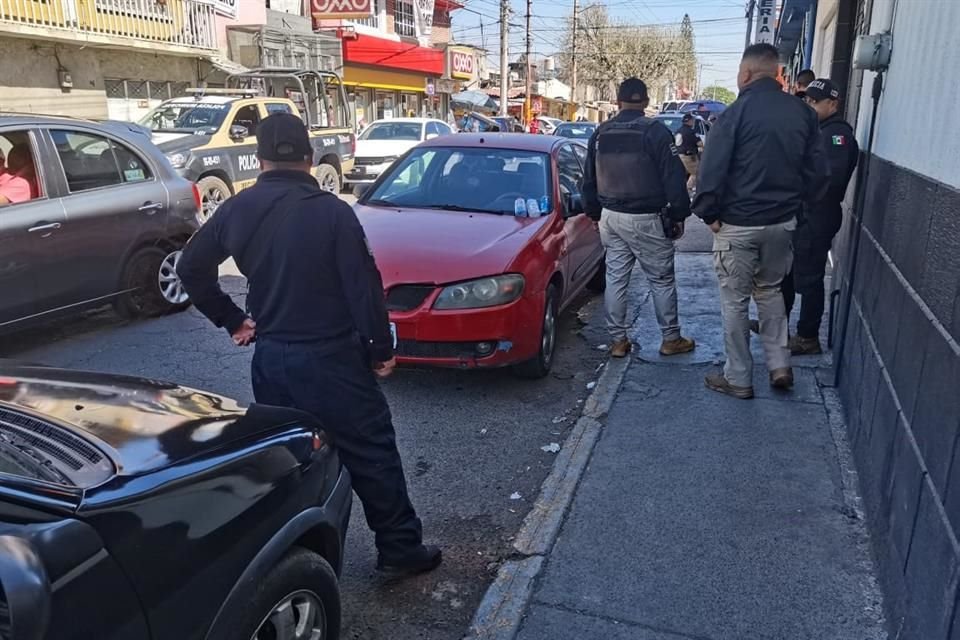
{"x":480,"y":293}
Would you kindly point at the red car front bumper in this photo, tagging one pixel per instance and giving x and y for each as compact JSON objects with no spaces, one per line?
{"x":470,"y":338}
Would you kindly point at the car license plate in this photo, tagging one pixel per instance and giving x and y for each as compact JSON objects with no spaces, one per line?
{"x":360,"y":170}
{"x":393,"y":333}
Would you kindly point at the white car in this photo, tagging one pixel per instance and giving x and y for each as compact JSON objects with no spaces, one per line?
{"x":383,"y":141}
{"x":549,"y":125}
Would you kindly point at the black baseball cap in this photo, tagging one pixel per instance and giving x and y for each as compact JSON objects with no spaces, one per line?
{"x":686,"y":117}
{"x":282,"y":137}
{"x":632,"y":90}
{"x":822,"y":89}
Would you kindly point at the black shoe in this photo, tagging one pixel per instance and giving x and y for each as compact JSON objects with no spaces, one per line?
{"x":420,"y":560}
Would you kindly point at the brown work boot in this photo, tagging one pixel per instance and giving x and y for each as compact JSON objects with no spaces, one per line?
{"x":782,"y":378}
{"x":800,"y":346}
{"x":675,"y":347}
{"x":621,"y":348}
{"x":717,"y":382}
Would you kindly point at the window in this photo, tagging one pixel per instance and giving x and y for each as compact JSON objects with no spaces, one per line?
{"x":248,"y":117}
{"x":433,"y":129}
{"x":444,"y":129}
{"x":569,"y":169}
{"x":90,"y":161}
{"x":18,"y":177}
{"x":278,"y":107}
{"x":581,"y":152}
{"x":404,"y":20}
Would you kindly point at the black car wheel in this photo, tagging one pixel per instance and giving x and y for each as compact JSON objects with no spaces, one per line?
{"x":329,"y":178}
{"x":298,"y":600}
{"x":539,"y":366}
{"x":151,"y":285}
{"x":213,"y":191}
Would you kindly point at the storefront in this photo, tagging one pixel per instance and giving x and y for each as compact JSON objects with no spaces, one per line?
{"x":388,"y":78}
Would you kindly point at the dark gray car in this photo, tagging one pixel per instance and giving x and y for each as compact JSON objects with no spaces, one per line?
{"x":90,"y":213}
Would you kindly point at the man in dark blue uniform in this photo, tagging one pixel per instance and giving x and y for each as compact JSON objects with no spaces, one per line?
{"x":689,"y":146}
{"x":316,"y":310}
{"x":821,"y":222}
{"x":632,"y":177}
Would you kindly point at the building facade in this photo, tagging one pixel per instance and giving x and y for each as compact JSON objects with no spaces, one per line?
{"x":897,"y":312}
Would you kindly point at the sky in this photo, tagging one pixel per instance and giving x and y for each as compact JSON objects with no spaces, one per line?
{"x":719,"y":28}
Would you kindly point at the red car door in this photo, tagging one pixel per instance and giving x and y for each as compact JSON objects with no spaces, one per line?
{"x":582,"y":249}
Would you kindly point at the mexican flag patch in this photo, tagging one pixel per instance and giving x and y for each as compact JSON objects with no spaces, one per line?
{"x":839,"y":141}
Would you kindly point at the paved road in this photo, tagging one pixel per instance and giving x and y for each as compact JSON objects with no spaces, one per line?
{"x":469,"y":441}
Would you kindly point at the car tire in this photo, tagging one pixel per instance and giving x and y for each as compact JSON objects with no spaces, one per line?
{"x":213,"y":191}
{"x":150,"y":284}
{"x":598,"y":283}
{"x":328,"y":178}
{"x":539,"y":365}
{"x":302,"y":579}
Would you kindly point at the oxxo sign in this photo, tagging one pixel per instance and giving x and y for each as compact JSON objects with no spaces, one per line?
{"x":461,"y":63}
{"x":765,"y":21}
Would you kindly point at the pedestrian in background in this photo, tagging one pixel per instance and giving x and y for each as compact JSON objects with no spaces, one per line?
{"x":804,"y":78}
{"x":689,"y":146}
{"x":821,"y":222}
{"x":764,"y":161}
{"x":635,"y":185}
{"x":315,"y":309}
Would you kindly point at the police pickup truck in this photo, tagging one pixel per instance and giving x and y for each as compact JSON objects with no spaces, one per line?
{"x":210,"y":136}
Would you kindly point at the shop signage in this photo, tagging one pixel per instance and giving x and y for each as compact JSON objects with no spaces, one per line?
{"x":431,"y":88}
{"x":462,"y":63}
{"x":320,"y":9}
{"x":446,"y":86}
{"x":766,"y":23}
{"x":536,"y":104}
{"x":226,"y":7}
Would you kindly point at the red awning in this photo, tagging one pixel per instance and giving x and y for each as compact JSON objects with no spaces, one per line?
{"x":380,"y":52}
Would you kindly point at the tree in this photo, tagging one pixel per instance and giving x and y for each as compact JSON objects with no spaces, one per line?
{"x":716,"y":92}
{"x":609,"y":51}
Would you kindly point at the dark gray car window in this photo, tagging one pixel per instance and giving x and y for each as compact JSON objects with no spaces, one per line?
{"x":90,"y":161}
{"x":278,"y":107}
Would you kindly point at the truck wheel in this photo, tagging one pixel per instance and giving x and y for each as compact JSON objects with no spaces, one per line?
{"x":151,"y":285}
{"x":298,"y":599}
{"x":213,"y":191}
{"x":329,"y":178}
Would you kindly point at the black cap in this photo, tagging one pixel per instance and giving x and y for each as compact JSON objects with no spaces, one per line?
{"x":822,"y":89}
{"x":686,"y":117}
{"x":632,"y":90}
{"x":282,"y":137}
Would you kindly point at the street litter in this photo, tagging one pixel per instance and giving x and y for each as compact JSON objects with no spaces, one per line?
{"x":553,"y":447}
{"x":602,"y":347}
{"x":515,"y":496}
{"x":591,"y":385}
{"x":559,"y":419}
{"x":483,"y":431}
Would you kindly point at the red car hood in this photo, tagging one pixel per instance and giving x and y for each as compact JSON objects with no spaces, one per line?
{"x":437,"y":247}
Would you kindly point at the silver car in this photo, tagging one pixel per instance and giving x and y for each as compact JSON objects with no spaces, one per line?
{"x":90,"y":213}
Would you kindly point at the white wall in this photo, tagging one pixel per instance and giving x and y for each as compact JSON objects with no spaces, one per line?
{"x":921,"y":83}
{"x":824,"y":37}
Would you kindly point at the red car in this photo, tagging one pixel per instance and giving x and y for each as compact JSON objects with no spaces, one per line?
{"x":482,"y":242}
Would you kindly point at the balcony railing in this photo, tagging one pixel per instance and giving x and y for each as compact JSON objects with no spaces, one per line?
{"x":186,"y":24}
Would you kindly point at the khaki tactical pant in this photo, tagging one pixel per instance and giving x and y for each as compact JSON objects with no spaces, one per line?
{"x":630,"y":238}
{"x":692,"y":165}
{"x":753,"y":261}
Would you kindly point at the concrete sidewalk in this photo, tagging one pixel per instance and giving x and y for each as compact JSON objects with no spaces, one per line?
{"x":704,"y":517}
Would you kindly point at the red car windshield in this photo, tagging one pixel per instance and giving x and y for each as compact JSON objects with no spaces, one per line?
{"x":481,"y":180}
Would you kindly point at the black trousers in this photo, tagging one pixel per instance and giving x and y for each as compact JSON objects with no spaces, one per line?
{"x":339,"y":387}
{"x":810,"y":253}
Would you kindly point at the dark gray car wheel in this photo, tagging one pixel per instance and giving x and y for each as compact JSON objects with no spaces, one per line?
{"x":539,"y":365}
{"x":150,"y":284}
{"x":298,"y":600}
{"x":213,"y":191}
{"x":328,"y":178}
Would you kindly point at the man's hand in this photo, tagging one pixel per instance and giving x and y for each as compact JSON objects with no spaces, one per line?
{"x":384,"y":369}
{"x":245,"y":334}
{"x":715,"y":226}
{"x":678,"y":230}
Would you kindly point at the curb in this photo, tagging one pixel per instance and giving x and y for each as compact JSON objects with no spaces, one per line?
{"x":501,"y":611}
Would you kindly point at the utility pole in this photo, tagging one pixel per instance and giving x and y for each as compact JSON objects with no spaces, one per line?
{"x":528,"y":104}
{"x":573,"y":65}
{"x":504,"y":54}
{"x":750,"y":6}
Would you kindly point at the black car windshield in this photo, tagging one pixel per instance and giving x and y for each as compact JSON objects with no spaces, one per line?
{"x":482,"y":180}
{"x":575,"y":131}
{"x":392,"y":131}
{"x":187,"y":117}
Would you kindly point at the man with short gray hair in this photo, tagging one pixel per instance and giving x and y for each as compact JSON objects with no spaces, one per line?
{"x":765,"y":160}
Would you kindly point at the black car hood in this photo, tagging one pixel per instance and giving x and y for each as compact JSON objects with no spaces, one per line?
{"x":184,"y":142}
{"x":147,"y":424}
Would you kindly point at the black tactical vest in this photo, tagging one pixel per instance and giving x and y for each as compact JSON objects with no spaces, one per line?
{"x":625,"y":168}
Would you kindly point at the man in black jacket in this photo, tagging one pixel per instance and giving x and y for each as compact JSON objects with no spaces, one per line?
{"x":764,"y":161}
{"x":689,"y":146}
{"x":315,"y":309}
{"x":804,"y":78}
{"x":821,"y":222}
{"x":632,"y":175}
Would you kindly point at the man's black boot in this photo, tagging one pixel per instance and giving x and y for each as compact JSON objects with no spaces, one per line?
{"x":419,"y":560}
